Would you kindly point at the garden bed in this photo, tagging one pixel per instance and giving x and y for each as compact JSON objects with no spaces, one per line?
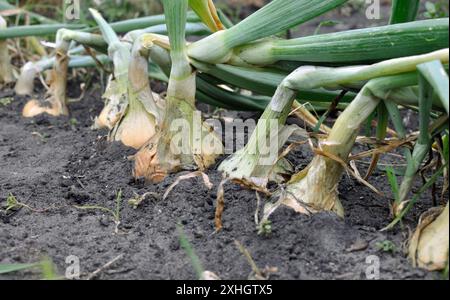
{"x":56,"y":164}
{"x":56,"y":167}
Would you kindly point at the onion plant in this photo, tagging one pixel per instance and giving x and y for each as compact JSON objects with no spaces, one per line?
{"x":55,"y":103}
{"x":316,"y":186}
{"x":130,"y":110}
{"x":144,"y":110}
{"x":194,"y":145}
{"x":246,"y":163}
{"x":30,"y":70}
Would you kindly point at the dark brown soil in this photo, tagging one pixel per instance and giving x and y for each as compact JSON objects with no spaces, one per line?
{"x":54,"y":164}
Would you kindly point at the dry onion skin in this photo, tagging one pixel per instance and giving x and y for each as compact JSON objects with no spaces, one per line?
{"x":131,"y":110}
{"x":25,"y":82}
{"x":145,"y":108}
{"x":55,"y":102}
{"x":429,"y":246}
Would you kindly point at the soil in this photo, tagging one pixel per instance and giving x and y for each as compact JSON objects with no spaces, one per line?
{"x":55,"y":164}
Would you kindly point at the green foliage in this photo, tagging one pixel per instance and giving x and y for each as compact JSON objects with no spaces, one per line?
{"x":386,"y":246}
{"x":115,"y":213}
{"x":329,"y":23}
{"x":392,"y":178}
{"x":12,"y":203}
{"x":6,"y":101}
{"x":436,"y":10}
{"x":445,"y":150}
{"x":112,"y":10}
{"x":10,"y":268}
{"x":265,"y":228}
{"x":46,"y":267}
{"x":190,"y":252}
{"x":445,"y":273}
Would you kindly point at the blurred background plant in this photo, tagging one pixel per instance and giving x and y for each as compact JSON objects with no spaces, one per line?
{"x":236,"y":10}
{"x":437,"y":9}
{"x":45,"y":267}
{"x":111,"y":9}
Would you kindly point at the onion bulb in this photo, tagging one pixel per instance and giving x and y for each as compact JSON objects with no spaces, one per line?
{"x":429,"y":246}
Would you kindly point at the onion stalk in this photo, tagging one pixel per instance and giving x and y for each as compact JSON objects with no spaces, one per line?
{"x":163,"y":154}
{"x":404,"y":11}
{"x":6,"y":74}
{"x":349,"y":47}
{"x":275,"y":17}
{"x":36,"y":30}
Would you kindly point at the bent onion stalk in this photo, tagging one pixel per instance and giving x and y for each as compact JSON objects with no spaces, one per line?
{"x":275,"y":17}
{"x":349,"y":47}
{"x":255,"y":162}
{"x":29,"y":71}
{"x":246,"y":164}
{"x":6,"y":73}
{"x":195,"y":29}
{"x":317,"y":186}
{"x":429,"y":246}
{"x":181,"y":124}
